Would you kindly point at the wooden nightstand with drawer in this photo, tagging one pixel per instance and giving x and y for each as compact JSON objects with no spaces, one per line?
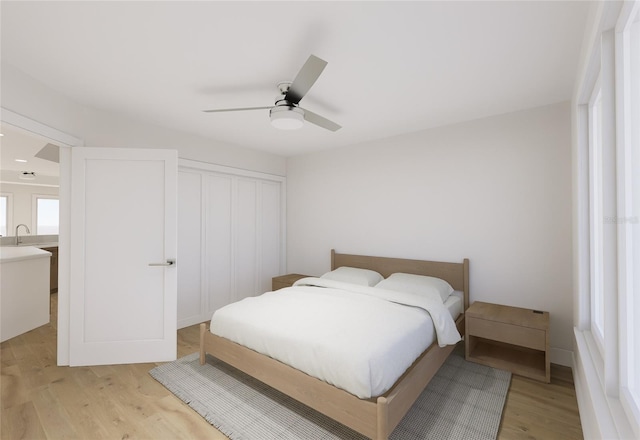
{"x":509,"y":338}
{"x":285,"y":280}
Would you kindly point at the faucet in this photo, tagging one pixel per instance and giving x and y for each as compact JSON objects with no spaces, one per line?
{"x":17,"y":236}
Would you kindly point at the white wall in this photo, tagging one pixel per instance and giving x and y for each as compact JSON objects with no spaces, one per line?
{"x":495,"y":190}
{"x":30,"y":98}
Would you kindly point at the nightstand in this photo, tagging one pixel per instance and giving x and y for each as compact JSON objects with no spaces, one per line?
{"x":285,"y":280}
{"x":509,"y":338}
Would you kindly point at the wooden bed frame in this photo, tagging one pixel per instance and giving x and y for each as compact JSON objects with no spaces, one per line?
{"x":376,"y":417}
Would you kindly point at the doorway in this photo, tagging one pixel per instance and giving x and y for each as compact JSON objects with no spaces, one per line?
{"x":30,"y":185}
{"x":64,"y":142}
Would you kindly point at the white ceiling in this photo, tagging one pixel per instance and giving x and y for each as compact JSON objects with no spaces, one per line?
{"x":393,"y":67}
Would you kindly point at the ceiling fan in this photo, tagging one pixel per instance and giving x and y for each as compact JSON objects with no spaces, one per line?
{"x":285,"y":113}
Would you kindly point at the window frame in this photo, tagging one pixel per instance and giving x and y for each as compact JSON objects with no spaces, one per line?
{"x":628,"y":152}
{"x":596,"y":217}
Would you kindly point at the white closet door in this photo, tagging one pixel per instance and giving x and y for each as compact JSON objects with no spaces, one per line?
{"x":246,"y":268}
{"x":271,"y":240}
{"x":219,"y":259}
{"x":231,"y":222}
{"x":190,"y":278}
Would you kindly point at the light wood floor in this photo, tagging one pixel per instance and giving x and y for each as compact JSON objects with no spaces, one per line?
{"x":43,"y":401}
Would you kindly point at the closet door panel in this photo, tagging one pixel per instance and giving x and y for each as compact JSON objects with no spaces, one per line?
{"x":246,"y":243}
{"x":270,"y":234}
{"x":189,"y":260}
{"x":219,"y":245}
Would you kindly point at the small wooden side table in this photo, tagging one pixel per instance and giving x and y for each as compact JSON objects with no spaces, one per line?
{"x":509,"y":338}
{"x":285,"y":280}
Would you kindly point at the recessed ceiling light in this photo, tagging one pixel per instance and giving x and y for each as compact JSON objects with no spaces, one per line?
{"x":21,"y":160}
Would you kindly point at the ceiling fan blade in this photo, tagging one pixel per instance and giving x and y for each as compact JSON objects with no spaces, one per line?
{"x":236,"y":109}
{"x":307,"y":77}
{"x":320,"y":121}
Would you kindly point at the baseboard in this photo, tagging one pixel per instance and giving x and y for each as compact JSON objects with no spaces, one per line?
{"x":192,"y":320}
{"x":588,"y":416}
{"x":561,"y":356}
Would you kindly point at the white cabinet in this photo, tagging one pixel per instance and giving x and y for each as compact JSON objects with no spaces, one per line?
{"x":230,"y":237}
{"x":24,"y":290}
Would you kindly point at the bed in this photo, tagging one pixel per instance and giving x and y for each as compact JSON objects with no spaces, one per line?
{"x":374,"y":417}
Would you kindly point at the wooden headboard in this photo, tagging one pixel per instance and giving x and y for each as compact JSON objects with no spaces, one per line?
{"x":456,"y":274}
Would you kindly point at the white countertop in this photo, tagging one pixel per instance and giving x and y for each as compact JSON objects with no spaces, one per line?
{"x":43,"y":245}
{"x":31,"y":240}
{"x":17,"y":253}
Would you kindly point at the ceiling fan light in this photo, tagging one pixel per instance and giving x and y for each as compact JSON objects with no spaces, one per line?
{"x":287,"y":118}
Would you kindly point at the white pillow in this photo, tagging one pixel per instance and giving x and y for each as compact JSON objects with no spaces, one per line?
{"x":418,"y":285}
{"x":354,"y":275}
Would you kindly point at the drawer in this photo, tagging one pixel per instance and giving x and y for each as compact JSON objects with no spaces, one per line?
{"x":508,"y":333}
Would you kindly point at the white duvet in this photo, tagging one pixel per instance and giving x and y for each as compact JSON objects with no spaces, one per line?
{"x":360,"y":339}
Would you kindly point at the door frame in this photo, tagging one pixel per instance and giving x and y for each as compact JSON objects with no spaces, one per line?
{"x":65,"y":142}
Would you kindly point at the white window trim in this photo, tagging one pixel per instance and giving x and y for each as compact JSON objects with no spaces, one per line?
{"x":628,"y":113}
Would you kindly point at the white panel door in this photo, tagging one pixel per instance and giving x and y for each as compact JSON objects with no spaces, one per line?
{"x":123,"y":235}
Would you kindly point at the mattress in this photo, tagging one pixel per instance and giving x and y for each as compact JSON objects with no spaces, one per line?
{"x":359,"y":339}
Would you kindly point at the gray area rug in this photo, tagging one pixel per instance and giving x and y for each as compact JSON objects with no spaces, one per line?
{"x":463,"y":401}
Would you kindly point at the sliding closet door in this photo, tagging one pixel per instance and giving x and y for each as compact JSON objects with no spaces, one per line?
{"x":246,"y":271}
{"x":270,"y":224}
{"x":190,"y":249}
{"x":258,"y":235}
{"x":219,"y":231}
{"x":230,"y":232}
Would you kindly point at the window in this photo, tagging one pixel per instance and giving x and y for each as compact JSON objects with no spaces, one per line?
{"x":608,"y":222}
{"x":5,"y":207}
{"x":47,"y":214}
